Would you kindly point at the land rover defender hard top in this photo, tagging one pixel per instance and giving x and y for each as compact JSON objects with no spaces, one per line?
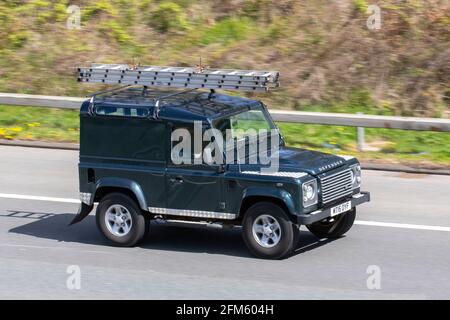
{"x":127,"y":163}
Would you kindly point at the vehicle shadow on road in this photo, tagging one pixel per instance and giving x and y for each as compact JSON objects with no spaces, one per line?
{"x":166,"y":238}
{"x":56,"y":227}
{"x":309,"y":242}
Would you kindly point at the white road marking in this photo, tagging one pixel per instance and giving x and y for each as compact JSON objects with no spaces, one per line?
{"x":38,"y":198}
{"x":402,"y":225}
{"x":25,"y":246}
{"x":358,"y":222}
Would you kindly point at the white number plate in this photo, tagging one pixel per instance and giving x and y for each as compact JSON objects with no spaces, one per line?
{"x":343,"y":207}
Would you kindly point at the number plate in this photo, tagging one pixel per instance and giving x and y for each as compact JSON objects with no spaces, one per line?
{"x":343,"y":207}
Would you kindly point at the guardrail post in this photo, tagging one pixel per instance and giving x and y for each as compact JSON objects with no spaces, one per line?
{"x":360,"y":133}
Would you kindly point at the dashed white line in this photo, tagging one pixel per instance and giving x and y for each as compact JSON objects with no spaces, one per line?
{"x":357,"y":222}
{"x":402,"y":225}
{"x":38,"y":198}
{"x":25,"y":246}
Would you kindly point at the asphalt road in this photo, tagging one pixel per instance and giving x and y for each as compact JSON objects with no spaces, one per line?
{"x":403,"y":233}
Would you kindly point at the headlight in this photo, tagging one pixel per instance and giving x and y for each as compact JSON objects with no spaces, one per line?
{"x":356,"y":176}
{"x":309,"y":193}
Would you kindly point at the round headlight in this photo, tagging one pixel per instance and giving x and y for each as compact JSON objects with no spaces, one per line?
{"x":309,"y":192}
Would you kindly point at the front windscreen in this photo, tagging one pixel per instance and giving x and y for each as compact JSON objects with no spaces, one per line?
{"x":244,"y":124}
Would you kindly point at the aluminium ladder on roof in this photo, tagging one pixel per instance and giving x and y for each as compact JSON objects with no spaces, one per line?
{"x":179,"y":77}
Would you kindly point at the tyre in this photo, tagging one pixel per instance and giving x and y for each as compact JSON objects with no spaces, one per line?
{"x":333,"y":229}
{"x":268,"y":232}
{"x":121,"y":221}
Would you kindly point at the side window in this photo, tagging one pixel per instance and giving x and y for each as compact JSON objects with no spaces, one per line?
{"x":136,"y":112}
{"x":124,"y":138}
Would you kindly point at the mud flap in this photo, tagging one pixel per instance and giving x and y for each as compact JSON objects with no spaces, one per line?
{"x":83,"y":212}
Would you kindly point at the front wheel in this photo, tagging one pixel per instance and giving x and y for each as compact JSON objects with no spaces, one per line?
{"x":335,"y":227}
{"x":120,"y":220}
{"x":268,"y":232}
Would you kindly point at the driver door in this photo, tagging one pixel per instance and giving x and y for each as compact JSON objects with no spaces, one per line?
{"x":193,"y":189}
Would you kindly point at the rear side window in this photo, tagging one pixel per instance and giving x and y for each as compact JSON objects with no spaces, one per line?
{"x":137,"y":112}
{"x":120,"y":138}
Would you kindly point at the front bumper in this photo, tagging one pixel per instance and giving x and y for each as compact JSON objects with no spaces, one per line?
{"x":324,"y":213}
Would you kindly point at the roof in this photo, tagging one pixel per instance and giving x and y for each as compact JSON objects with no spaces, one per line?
{"x":187,"y":105}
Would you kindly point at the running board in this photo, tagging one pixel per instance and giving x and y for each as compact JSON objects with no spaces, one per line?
{"x":193,"y":213}
{"x":201,"y":224}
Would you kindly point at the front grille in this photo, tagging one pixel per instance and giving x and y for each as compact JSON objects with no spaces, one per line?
{"x":336,"y":186}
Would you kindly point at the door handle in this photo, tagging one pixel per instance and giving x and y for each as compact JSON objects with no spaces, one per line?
{"x":176,"y":180}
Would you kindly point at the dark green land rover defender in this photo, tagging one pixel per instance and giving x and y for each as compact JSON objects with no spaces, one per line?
{"x":127,"y":166}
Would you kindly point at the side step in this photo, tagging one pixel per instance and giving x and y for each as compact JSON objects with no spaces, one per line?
{"x":194,"y":224}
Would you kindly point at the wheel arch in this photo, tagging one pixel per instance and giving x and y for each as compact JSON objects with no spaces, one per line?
{"x":279,"y":197}
{"x":131,"y":188}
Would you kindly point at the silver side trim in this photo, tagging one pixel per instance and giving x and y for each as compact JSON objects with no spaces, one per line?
{"x":193,"y":213}
{"x":278,"y":174}
{"x":86,"y":198}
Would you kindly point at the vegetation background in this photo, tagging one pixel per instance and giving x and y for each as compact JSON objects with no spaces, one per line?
{"x":328,"y":58}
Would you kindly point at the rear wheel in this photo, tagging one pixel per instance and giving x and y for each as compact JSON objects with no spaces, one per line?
{"x":334,"y":227}
{"x":120,"y":220}
{"x":268,"y":232}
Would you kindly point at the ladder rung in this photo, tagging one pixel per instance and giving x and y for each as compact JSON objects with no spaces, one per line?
{"x":88,"y":73}
{"x":185,"y":85}
{"x":126,"y":77}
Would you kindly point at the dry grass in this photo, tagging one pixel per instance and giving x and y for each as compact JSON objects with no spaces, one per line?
{"x":327,"y":56}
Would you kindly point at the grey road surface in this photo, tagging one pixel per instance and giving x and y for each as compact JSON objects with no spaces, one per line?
{"x":403,"y":234}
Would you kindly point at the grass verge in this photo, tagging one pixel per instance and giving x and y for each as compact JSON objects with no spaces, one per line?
{"x":46,"y":124}
{"x":426,"y":149}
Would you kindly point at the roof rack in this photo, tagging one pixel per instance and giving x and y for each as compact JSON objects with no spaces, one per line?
{"x":180,"y":77}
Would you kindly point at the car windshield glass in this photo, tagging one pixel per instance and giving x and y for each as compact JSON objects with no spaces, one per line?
{"x":248,"y":128}
{"x":244,"y":124}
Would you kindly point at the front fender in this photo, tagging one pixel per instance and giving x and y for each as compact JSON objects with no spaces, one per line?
{"x":279,"y":194}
